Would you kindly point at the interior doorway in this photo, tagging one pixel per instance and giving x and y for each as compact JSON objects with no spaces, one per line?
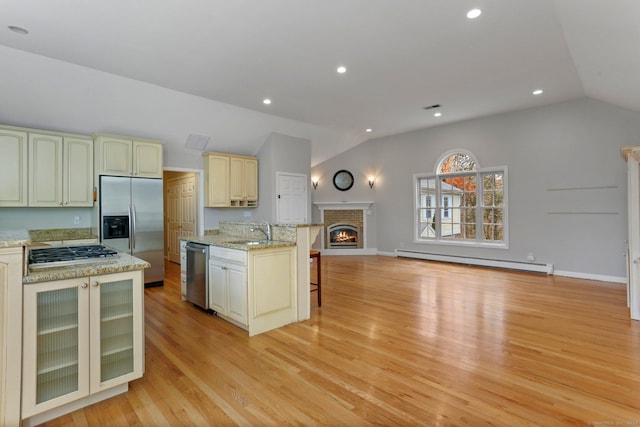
{"x":291,"y":204}
{"x":180,"y":210}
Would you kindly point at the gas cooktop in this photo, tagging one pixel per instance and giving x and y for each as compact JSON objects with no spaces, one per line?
{"x":55,"y":256}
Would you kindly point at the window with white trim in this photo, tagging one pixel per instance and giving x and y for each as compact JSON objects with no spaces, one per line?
{"x":462,"y":203}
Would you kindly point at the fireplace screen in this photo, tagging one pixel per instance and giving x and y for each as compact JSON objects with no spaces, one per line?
{"x":343,"y":236}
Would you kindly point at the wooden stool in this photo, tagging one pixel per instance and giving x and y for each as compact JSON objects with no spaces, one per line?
{"x":316,"y":254}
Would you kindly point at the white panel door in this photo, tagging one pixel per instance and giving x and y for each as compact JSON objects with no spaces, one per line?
{"x":292,"y":198}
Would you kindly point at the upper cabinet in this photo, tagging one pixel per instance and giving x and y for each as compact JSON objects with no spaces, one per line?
{"x":243,"y":185}
{"x":13,"y":167}
{"x":60,"y":170}
{"x":45,"y":169}
{"x":230,"y":180}
{"x":123,"y":156}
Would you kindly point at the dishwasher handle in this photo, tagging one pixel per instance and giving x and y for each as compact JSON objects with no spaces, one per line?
{"x":199,"y":249}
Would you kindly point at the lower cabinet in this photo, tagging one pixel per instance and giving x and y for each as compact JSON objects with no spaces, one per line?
{"x":228,"y":284}
{"x":10,"y":334}
{"x":254,"y":289}
{"x":183,"y":270}
{"x":80,"y":337}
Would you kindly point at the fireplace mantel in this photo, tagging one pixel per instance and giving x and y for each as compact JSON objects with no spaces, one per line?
{"x":343,"y":205}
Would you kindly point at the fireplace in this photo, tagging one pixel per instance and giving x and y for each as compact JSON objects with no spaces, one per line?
{"x":345,"y":225}
{"x":343,"y":235}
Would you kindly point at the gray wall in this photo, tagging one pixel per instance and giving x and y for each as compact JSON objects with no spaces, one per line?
{"x":281,"y":153}
{"x":574,"y":144}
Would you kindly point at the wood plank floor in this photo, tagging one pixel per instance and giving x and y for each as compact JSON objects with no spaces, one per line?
{"x":396,"y":342}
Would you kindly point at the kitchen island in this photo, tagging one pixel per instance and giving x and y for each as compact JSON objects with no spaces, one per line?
{"x":255,"y":282}
{"x":70,"y":335}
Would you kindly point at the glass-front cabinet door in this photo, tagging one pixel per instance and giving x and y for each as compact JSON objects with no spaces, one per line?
{"x":116,"y":329}
{"x":55,"y":344}
{"x":80,"y":336}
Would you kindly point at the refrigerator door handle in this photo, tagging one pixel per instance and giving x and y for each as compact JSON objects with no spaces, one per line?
{"x":132,"y":236}
{"x":130,"y":228}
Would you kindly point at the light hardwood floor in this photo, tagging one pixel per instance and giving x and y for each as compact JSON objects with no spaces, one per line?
{"x":396,"y":342}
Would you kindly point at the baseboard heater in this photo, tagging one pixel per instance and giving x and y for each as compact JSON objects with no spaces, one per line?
{"x":485,"y":262}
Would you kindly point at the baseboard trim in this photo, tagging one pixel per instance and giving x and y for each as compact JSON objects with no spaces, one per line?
{"x":588,"y":276}
{"x":484,"y":262}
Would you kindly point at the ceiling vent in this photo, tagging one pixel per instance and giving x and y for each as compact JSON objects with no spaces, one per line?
{"x":197,"y":142}
{"x":430,"y":107}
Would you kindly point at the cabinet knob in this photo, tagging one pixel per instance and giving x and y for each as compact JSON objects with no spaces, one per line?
{"x":95,"y":284}
{"x":84,"y":285}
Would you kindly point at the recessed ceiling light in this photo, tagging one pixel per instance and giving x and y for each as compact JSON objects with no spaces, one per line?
{"x":474,"y":13}
{"x":341,"y":69}
{"x":438,"y":114}
{"x":368,"y":130}
{"x":537,"y":92}
{"x":266,"y":101}
{"x":18,"y":30}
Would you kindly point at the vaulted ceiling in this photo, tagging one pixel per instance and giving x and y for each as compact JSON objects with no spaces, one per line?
{"x":400,"y":55}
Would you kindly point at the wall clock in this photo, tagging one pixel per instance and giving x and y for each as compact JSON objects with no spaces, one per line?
{"x":343,"y":180}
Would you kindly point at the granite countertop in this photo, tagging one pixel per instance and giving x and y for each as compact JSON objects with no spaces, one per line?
{"x":226,"y":241}
{"x":14,"y":238}
{"x":122,"y":263}
{"x":47,"y":235}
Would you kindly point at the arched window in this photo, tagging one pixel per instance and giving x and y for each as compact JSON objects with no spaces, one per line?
{"x":461,"y":202}
{"x":456,"y":161}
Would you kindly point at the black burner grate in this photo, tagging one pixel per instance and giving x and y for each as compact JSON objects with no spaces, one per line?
{"x":69,"y":253}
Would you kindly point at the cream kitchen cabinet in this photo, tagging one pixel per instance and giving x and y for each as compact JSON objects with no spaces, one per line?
{"x":256,"y":289}
{"x":13,"y":167}
{"x":230,"y":180}
{"x":271,"y":288}
{"x":10,"y":334}
{"x":216,"y":180}
{"x":183,"y":270}
{"x":60,"y":170}
{"x":124,"y":156}
{"x":228,"y":284}
{"x":81,"y":337}
{"x":243,"y":181}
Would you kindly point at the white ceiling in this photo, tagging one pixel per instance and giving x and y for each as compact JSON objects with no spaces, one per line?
{"x":401,"y":55}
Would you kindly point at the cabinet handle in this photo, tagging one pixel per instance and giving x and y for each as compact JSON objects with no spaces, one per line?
{"x":84,"y":285}
{"x":95,"y":284}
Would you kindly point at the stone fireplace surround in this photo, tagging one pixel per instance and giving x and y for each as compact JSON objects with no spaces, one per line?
{"x":345,"y":212}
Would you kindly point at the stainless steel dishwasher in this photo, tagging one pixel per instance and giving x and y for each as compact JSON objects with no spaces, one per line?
{"x":198,"y":274}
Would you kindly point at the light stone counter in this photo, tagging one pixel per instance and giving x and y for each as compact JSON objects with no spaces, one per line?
{"x":14,"y":238}
{"x":46,"y":235}
{"x":123,"y":262}
{"x":227,"y":241}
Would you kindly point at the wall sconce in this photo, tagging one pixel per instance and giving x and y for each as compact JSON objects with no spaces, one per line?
{"x":372,"y":181}
{"x":314,"y":182}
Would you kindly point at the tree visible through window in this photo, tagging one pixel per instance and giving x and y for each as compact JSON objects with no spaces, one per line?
{"x":461,"y":202}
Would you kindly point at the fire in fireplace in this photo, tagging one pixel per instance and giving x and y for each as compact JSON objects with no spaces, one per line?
{"x":343,"y":236}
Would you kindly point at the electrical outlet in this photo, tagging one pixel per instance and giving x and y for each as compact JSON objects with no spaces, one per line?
{"x":531,"y":257}
{"x":76,"y":220}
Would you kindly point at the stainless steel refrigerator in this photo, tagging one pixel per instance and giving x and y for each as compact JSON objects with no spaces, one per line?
{"x":131,"y":218}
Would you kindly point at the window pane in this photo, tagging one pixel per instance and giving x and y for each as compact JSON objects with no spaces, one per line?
{"x":457,"y":162}
{"x":426,"y":213}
